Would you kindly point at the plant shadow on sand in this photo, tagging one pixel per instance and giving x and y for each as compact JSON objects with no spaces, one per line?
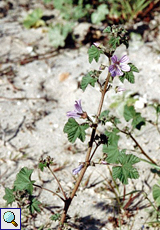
{"x":87,"y":223}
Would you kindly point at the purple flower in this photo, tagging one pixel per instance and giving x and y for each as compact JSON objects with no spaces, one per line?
{"x":119,"y":89}
{"x":119,"y":65}
{"x":77,"y":112}
{"x":96,"y":44}
{"x":77,"y":170}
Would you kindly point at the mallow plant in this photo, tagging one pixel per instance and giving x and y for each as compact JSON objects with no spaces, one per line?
{"x":122,"y":164}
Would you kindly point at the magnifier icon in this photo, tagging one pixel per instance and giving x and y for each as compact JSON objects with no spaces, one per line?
{"x":9,"y":217}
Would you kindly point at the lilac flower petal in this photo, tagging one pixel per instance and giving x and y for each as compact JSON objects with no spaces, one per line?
{"x":77,"y":170}
{"x":119,"y":65}
{"x":73,"y":114}
{"x":119,"y":72}
{"x":96,"y":44}
{"x":113,"y":74}
{"x":125,"y":67}
{"x":119,"y":89}
{"x":114,"y":59}
{"x":78,"y":106}
{"x":112,"y":70}
{"x":124,"y":59}
{"x":104,"y":163}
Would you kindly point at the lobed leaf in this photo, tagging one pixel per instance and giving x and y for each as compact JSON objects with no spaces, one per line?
{"x":89,"y":79}
{"x":100,"y":14}
{"x":126,"y":170}
{"x":129,"y":75}
{"x":104,"y":116}
{"x":114,"y":42}
{"x":58,"y":34}
{"x":112,"y":136}
{"x":23,"y":180}
{"x":94,"y":53}
{"x":130,"y":113}
{"x":34,"y":205}
{"x":42,"y":165}
{"x":112,"y":152}
{"x":107,"y":30}
{"x":112,"y":149}
{"x":33,"y":18}
{"x":74,"y":130}
{"x":9,"y":196}
{"x":128,"y":158}
{"x":133,"y":68}
{"x":156,"y":194}
{"x":55,"y":217}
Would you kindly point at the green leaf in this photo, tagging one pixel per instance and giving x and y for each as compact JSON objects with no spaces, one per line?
{"x":156,"y":194}
{"x":74,"y":130}
{"x":104,"y":114}
{"x":129,"y":75}
{"x":158,"y":109}
{"x":78,"y":12}
{"x":100,"y":14}
{"x":23,"y":180}
{"x":34,"y":205}
{"x":58,"y":34}
{"x":133,"y":68}
{"x":42,"y":165}
{"x":114,"y":42}
{"x":112,"y":152}
{"x":112,"y":148}
{"x":9,"y":196}
{"x":55,"y":217}
{"x":116,"y":120}
{"x":113,"y":137}
{"x":130,"y":113}
{"x":47,"y":1}
{"x":126,"y":170}
{"x":138,"y":121}
{"x":128,"y":158}
{"x":107,"y":30}
{"x":60,"y":4}
{"x":89,"y":79}
{"x":33,"y":18}
{"x":94,"y":53}
{"x":41,"y":227}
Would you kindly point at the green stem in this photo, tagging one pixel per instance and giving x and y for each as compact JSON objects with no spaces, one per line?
{"x":117,"y":197}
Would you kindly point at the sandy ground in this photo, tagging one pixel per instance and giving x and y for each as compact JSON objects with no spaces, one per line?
{"x":34,"y":99}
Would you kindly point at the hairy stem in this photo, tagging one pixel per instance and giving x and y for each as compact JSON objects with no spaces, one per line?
{"x":54,"y":193}
{"x":87,"y":159}
{"x":142,"y":151}
{"x":58,"y":182}
{"x":136,"y":142}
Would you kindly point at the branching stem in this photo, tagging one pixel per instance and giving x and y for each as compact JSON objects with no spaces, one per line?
{"x":87,"y":159}
{"x":54,"y":193}
{"x":57,"y":182}
{"x":139,"y":146}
